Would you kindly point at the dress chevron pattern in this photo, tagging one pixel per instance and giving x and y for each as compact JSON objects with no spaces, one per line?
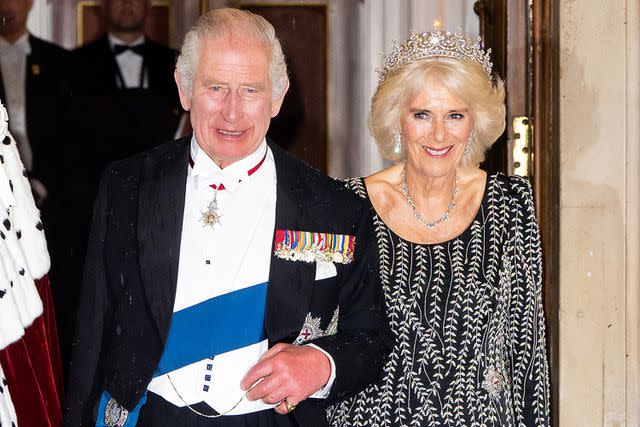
{"x":468,"y":323}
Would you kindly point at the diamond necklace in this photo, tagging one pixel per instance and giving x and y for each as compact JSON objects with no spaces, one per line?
{"x":418,"y":215}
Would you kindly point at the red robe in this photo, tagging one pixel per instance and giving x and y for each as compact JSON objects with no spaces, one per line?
{"x":33,"y":369}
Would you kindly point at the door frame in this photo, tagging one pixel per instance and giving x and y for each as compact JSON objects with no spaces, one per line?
{"x":545,"y":117}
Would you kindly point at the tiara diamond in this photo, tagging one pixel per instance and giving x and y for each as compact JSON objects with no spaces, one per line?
{"x":432,"y":45}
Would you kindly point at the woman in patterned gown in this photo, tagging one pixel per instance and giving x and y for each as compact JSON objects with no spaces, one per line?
{"x":460,"y":256}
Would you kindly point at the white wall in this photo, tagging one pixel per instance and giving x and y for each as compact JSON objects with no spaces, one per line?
{"x":599,"y":213}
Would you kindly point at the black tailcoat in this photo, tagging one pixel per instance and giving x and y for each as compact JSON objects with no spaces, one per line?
{"x":132,"y":266}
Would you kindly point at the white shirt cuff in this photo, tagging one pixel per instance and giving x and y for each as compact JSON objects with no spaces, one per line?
{"x":324,"y":391}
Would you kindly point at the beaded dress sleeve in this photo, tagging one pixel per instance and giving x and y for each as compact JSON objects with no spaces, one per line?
{"x":529,"y":367}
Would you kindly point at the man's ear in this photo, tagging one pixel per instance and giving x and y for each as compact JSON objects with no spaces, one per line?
{"x":185,"y":98}
{"x":277,"y":103}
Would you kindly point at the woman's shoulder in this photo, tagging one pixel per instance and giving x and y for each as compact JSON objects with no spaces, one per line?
{"x":376,"y":185}
{"x":382,"y":187}
{"x":385,"y":180}
{"x":385,"y":176}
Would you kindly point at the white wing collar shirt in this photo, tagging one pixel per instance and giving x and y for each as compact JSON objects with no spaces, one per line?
{"x":130,"y":63}
{"x":222,"y":280}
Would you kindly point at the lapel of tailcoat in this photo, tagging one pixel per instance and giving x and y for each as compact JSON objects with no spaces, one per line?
{"x":160,"y":214}
{"x":290,"y":282}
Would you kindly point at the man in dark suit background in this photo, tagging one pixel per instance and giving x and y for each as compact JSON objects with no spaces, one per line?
{"x":124,"y":101}
{"x":125,"y":59}
{"x":125,"y":98}
{"x":224,"y":277}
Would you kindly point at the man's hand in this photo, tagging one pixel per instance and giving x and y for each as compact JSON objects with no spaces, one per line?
{"x":290,"y":372}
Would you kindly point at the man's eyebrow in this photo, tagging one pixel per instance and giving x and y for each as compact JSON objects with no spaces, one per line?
{"x":215,"y":82}
{"x":255,"y":85}
{"x":209,"y":81}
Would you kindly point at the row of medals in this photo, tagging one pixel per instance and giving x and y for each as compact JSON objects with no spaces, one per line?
{"x":313,"y":254}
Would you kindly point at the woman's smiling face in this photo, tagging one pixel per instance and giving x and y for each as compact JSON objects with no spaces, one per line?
{"x":435,"y":127}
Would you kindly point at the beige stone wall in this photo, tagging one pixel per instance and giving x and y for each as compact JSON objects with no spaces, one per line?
{"x":600,"y":233}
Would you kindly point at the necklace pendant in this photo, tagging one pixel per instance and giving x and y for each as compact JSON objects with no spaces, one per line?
{"x":445,"y":217}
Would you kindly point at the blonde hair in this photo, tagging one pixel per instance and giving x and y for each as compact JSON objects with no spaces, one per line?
{"x":238,"y":25}
{"x":466,"y":80}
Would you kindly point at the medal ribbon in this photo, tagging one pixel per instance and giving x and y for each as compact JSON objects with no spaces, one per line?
{"x":309,"y":246}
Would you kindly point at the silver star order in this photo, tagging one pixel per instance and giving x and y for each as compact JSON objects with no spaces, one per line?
{"x":210,"y":218}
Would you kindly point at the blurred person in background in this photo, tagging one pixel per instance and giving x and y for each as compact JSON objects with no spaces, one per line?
{"x":124,"y":101}
{"x":33,"y":86}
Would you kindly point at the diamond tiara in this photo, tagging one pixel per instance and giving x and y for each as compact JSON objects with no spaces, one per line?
{"x":432,"y":45}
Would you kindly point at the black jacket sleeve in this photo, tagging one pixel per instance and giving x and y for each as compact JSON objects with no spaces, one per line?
{"x":363,"y":339}
{"x":85,"y":379}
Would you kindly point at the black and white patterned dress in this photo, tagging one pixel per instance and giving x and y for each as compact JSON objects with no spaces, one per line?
{"x":467,"y":320}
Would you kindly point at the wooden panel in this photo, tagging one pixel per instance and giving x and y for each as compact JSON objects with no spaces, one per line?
{"x":158,"y":23}
{"x":89,"y":22}
{"x":90,"y":25}
{"x":545,"y":115}
{"x":301,"y":126}
{"x":493,"y":30}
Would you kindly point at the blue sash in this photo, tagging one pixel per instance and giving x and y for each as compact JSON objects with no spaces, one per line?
{"x":215,"y":326}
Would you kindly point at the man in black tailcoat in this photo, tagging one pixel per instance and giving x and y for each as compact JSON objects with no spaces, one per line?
{"x":132,"y":78}
{"x":125,"y":98}
{"x":227,"y":283}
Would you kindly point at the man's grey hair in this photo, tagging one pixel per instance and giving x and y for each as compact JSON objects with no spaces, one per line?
{"x":238,"y":25}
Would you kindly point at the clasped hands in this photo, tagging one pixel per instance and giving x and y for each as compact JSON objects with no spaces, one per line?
{"x":288,"y":372}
